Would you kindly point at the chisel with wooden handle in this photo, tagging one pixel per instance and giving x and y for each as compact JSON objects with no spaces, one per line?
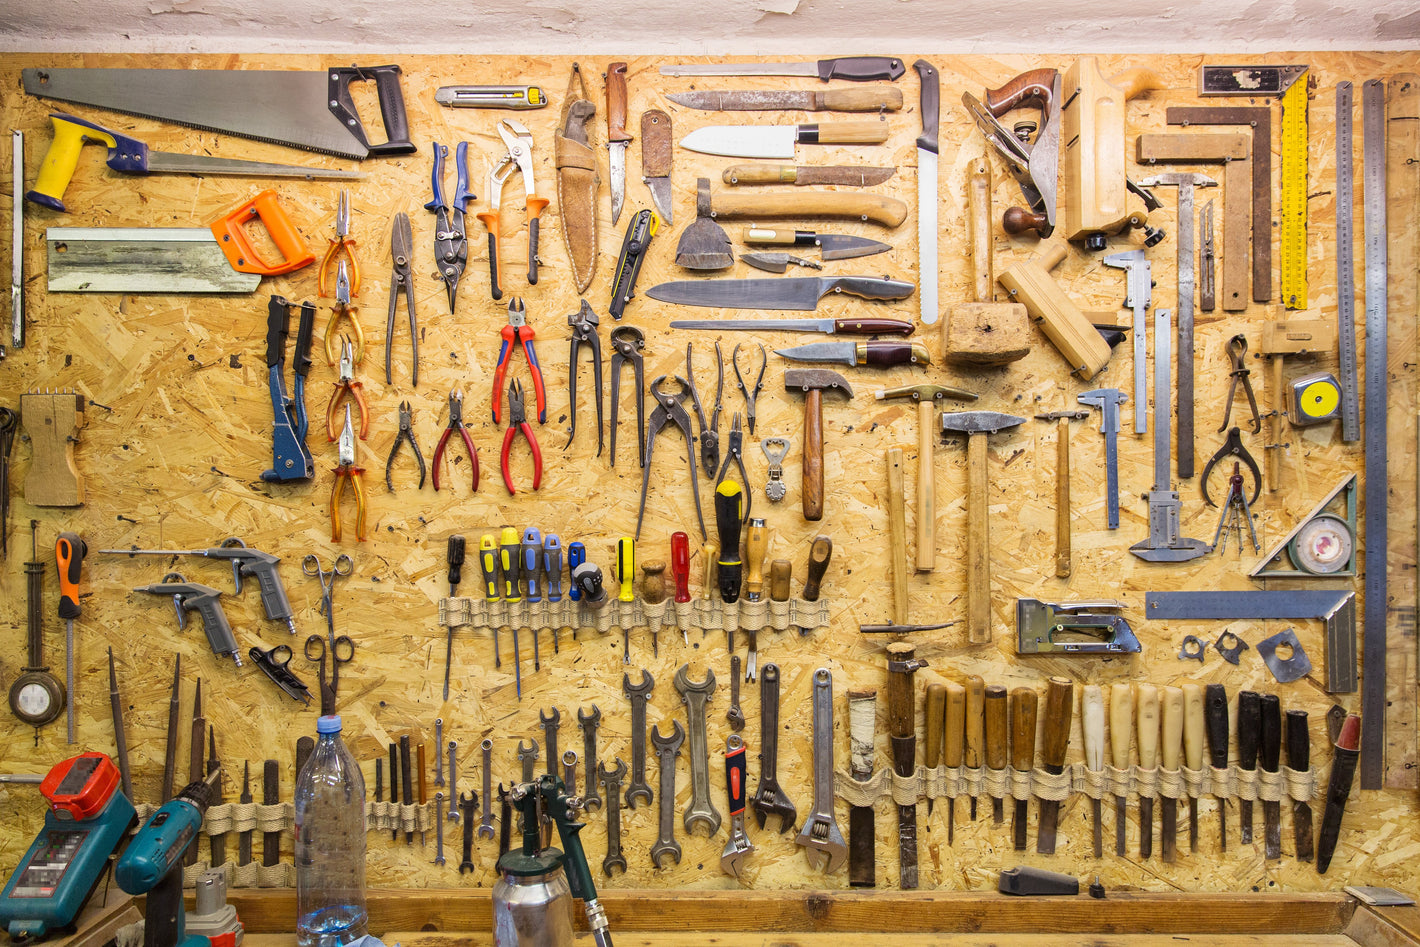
{"x":1146,"y":721}
{"x":1249,"y":731}
{"x":1121,"y":729}
{"x":996,"y":742}
{"x":975,"y":725}
{"x":1193,"y":726}
{"x":1092,"y":728}
{"x":935,"y":715}
{"x":1299,"y":759}
{"x":862,"y":830}
{"x":1059,"y":708}
{"x":1270,"y":753}
{"x":1023,"y":703}
{"x":1215,"y":720}
{"x":954,"y":718}
{"x":1171,"y":710}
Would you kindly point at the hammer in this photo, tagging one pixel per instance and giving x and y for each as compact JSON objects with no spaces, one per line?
{"x":1062,"y":485}
{"x":977,"y":425}
{"x":813,"y":381}
{"x":925,"y":396}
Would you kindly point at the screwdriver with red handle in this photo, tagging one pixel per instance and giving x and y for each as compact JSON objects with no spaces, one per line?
{"x":69,"y":553}
{"x":680,"y":571}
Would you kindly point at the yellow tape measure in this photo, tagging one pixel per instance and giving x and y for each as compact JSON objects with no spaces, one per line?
{"x":1294,"y":193}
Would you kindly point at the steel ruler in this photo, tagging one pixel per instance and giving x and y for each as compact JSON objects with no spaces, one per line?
{"x":1294,"y":194}
{"x":1345,"y":270}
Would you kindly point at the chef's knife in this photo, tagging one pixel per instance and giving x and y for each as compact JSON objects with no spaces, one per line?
{"x":800,"y":292}
{"x":777,"y":141}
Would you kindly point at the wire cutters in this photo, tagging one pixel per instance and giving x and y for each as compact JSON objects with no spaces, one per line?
{"x":450,"y":239}
{"x":734,"y":451}
{"x":519,"y":157}
{"x":342,"y":307}
{"x":750,"y":396}
{"x":402,"y":283}
{"x":1237,"y":354}
{"x":347,"y":471}
{"x":341,"y":241}
{"x":518,"y":421}
{"x":670,"y":409}
{"x":346,"y":390}
{"x":406,"y":433}
{"x":455,"y":424}
{"x":584,"y":324}
{"x":518,"y":332}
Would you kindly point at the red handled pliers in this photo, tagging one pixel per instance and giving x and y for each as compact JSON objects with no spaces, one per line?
{"x":455,"y":424}
{"x":518,"y":421}
{"x":518,"y":332}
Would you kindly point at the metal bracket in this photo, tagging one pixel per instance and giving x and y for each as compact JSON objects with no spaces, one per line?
{"x":1037,"y":624}
{"x":1193,"y":648}
{"x":1230,"y":647}
{"x":1289,"y":669}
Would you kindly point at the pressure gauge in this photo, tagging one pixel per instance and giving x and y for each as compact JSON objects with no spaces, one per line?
{"x":1323,"y":546}
{"x":37,"y":697}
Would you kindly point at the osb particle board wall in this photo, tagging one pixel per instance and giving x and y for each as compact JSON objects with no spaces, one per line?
{"x":178,"y":433}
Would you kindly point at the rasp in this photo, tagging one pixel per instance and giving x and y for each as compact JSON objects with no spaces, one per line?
{"x":777,"y":141}
{"x":927,"y":192}
{"x":851,"y":68}
{"x":799,"y":292}
{"x":617,"y":137}
{"x":842,"y":175}
{"x":875,"y":99}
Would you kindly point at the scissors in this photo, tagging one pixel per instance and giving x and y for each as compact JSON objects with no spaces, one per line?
{"x":341,"y":652}
{"x":342,"y":567}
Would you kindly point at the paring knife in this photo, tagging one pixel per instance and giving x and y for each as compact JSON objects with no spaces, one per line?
{"x":800,"y":292}
{"x":879,"y":99}
{"x":777,"y":141}
{"x":877,"y":354}
{"x":828,"y":326}
{"x":850,"y":68}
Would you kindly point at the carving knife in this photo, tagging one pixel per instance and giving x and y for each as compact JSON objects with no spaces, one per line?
{"x":927,"y":192}
{"x":844,"y":175}
{"x":656,"y":152}
{"x":1171,"y":707}
{"x":876,"y":99}
{"x":1059,"y":708}
{"x":799,"y":292}
{"x":1215,"y":718}
{"x":1271,"y":759}
{"x":617,"y":137}
{"x":1023,"y":706}
{"x":996,"y":741}
{"x":1147,"y":723}
{"x":851,"y":68}
{"x":974,"y":729}
{"x":879,"y":354}
{"x":832,"y":246}
{"x":1193,"y":727}
{"x":827,"y":326}
{"x":1299,"y":759}
{"x":1121,"y":728}
{"x":776,"y":141}
{"x":953,"y":740}
{"x":1092,"y":728}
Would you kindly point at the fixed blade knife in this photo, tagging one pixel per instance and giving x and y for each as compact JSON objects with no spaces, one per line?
{"x":877,"y":354}
{"x":799,"y":292}
{"x":850,"y":68}
{"x":777,"y":141}
{"x":881,"y":99}
{"x":827,"y":326}
{"x":617,"y":137}
{"x":832,"y":246}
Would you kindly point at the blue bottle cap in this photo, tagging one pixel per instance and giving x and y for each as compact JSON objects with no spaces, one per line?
{"x":329,"y":724}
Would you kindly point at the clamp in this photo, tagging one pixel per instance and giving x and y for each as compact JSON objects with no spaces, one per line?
{"x":519,"y":141}
{"x":584,"y":332}
{"x":402,"y":283}
{"x":709,"y":433}
{"x":1237,"y":354}
{"x":735,"y":452}
{"x":670,"y":408}
{"x":518,"y":332}
{"x":627,"y":343}
{"x":406,"y":433}
{"x":518,"y":421}
{"x":455,"y":424}
{"x":750,"y":396}
{"x":347,"y":389}
{"x":341,"y":242}
{"x":346,"y":470}
{"x":342,"y":307}
{"x":450,"y":238}
{"x":1232,"y":447}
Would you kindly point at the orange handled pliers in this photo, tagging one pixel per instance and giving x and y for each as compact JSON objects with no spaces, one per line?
{"x":342,"y":307}
{"x":346,"y":470}
{"x":519,"y":141}
{"x":347,"y":389}
{"x":518,"y":332}
{"x":455,"y":424}
{"x":341,"y":241}
{"x":518,"y":421}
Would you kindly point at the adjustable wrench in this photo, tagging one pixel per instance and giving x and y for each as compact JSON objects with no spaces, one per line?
{"x":695,"y":696}
{"x":438,"y":829}
{"x":592,"y":801}
{"x":453,"y":784}
{"x":638,"y":695}
{"x":611,"y":780}
{"x":549,"y":724}
{"x":820,"y":835}
{"x":769,"y":799}
{"x":485,"y":828}
{"x":738,"y":848}
{"x":667,"y":749}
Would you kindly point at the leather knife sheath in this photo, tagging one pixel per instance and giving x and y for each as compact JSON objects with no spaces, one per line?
{"x":578,"y":181}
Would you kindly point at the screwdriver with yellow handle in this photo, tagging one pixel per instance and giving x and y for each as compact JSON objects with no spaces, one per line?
{"x":626,"y":576}
{"x":729,"y":507}
{"x":69,"y":553}
{"x":510,"y":549}
{"x":488,"y":564}
{"x":130,"y":156}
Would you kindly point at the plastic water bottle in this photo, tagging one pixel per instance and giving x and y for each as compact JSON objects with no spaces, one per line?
{"x":330,"y":844}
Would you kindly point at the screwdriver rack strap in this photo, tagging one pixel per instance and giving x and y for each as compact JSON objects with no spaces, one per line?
{"x":410,"y":817}
{"x":704,"y":614}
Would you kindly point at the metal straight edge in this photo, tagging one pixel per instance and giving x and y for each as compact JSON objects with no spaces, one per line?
{"x":17,"y":245}
{"x":1162,"y":397}
{"x":1373,"y":689}
{"x":1345,"y":270}
{"x":1184,"y":382}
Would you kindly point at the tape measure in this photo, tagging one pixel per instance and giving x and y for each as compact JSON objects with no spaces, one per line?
{"x":1294,"y":193}
{"x":1313,"y":399}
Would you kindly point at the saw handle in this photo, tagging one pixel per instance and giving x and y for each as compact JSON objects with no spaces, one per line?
{"x":396,"y":122}
{"x":230,"y":233}
{"x":125,"y":155}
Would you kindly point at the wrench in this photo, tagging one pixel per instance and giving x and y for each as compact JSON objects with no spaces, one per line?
{"x":769,"y":799}
{"x":453,"y":775}
{"x":738,"y":848}
{"x":438,"y":829}
{"x":549,"y":724}
{"x":438,"y":758}
{"x":569,"y":771}
{"x":592,"y":801}
{"x":695,"y":696}
{"x":528,"y":757}
{"x":735,"y":715}
{"x":638,"y":695}
{"x":485,"y":828}
{"x":468,"y":803}
{"x":820,"y":837}
{"x":667,"y":749}
{"x":611,"y":779}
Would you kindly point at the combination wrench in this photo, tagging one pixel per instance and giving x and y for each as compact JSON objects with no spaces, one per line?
{"x":735,"y":715}
{"x":438,"y":829}
{"x":611,"y":781}
{"x":667,"y":749}
{"x":550,"y":723}
{"x":769,"y":799}
{"x":822,"y":841}
{"x":453,"y":776}
{"x":592,"y":801}
{"x":569,"y":771}
{"x":485,"y":828}
{"x":638,"y":695}
{"x":695,"y":695}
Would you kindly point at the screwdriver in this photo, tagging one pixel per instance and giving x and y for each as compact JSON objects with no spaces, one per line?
{"x":680,"y":571}
{"x":756,"y":550}
{"x":69,"y":553}
{"x":975,"y":728}
{"x":552,"y":578}
{"x":576,"y":555}
{"x":509,"y":551}
{"x":531,"y":568}
{"x":1092,"y":728}
{"x":996,"y":739}
{"x":488,"y":564}
{"x":456,"y":556}
{"x":729,"y":503}
{"x":626,"y":576}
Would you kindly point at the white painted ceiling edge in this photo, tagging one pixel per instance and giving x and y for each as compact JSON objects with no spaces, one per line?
{"x":716,"y":27}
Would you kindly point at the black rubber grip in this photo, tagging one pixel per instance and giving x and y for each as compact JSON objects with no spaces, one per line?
{"x":532,"y":251}
{"x":1215,"y":716}
{"x":1249,"y":728}
{"x":305,"y":334}
{"x":861,"y":68}
{"x":493,"y":264}
{"x":931,"y":104}
{"x":1271,"y":751}
{"x":391,"y":107}
{"x":278,"y":330}
{"x":1298,"y":741}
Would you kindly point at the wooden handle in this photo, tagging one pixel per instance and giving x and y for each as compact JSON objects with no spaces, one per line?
{"x":1215,"y":722}
{"x":936,"y":714}
{"x":902,"y":708}
{"x":865,"y":99}
{"x":819,"y":554}
{"x":926,"y":488}
{"x":1059,"y":709}
{"x":897,"y":532}
{"x":756,"y":548}
{"x":709,"y":554}
{"x":762,"y":174}
{"x":1193,"y":725}
{"x":996,"y":727}
{"x":1023,"y":701}
{"x":616,"y":102}
{"x":1136,"y":81}
{"x":1017,"y":220}
{"x":1171,"y":705}
{"x":775,"y":236}
{"x":1146,"y":721}
{"x":811,"y":484}
{"x":656,"y":146}
{"x":1062,"y":499}
{"x":653,"y":582}
{"x":1034,"y":88}
{"x":952,"y":732}
{"x":804,"y":202}
{"x":978,"y":220}
{"x":852,"y":133}
{"x":978,"y":548}
{"x":1121,"y":724}
{"x":1092,"y":725}
{"x":975,"y":723}
{"x":781,"y":571}
{"x":887,"y":353}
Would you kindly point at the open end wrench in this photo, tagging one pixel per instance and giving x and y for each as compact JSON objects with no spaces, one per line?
{"x":468,"y":803}
{"x":485,"y":828}
{"x":695,"y":695}
{"x":550,"y":723}
{"x":667,"y":749}
{"x":822,"y":841}
{"x":638,"y":695}
{"x":769,"y":799}
{"x":611,"y":781}
{"x":528,"y":757}
{"x":592,"y":800}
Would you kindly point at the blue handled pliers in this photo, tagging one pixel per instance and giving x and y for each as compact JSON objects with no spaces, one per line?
{"x":450,"y":240}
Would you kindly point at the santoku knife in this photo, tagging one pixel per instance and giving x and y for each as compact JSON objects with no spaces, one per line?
{"x":799,"y":292}
{"x":777,"y":141}
{"x":832,"y":246}
{"x":828,"y":326}
{"x":877,"y":354}
{"x":851,"y":68}
{"x":847,"y":176}
{"x":879,"y":99}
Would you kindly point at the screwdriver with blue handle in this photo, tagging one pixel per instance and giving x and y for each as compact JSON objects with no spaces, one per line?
{"x":552,"y":578}
{"x":509,"y":560}
{"x":488,"y":563}
{"x":576,"y":555}
{"x":69,"y":553}
{"x":531,"y":568}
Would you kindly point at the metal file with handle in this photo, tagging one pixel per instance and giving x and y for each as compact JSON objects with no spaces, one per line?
{"x":310,"y":110}
{"x":800,"y":292}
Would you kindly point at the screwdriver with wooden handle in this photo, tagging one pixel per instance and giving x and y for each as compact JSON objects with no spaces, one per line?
{"x":1171,"y":710}
{"x":1299,"y":759}
{"x":1215,"y":723}
{"x":756,"y":551}
{"x":1121,"y":729}
{"x":1023,"y":704}
{"x":952,"y":732}
{"x":935,"y":715}
{"x":1146,"y":719}
{"x":1249,"y":731}
{"x":1271,"y":761}
{"x":1193,"y":750}
{"x":1092,"y":728}
{"x":975,"y":736}
{"x":1059,"y":709}
{"x":996,"y":741}
{"x":819,"y":555}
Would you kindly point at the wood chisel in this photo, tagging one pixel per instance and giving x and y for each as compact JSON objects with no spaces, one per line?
{"x":1171,"y":712}
{"x":954,"y":718}
{"x":1299,"y":760}
{"x":1092,"y":729}
{"x":1193,"y":727}
{"x":1059,"y":708}
{"x":1121,"y":730}
{"x":975,"y":727}
{"x":1215,"y":719}
{"x":1249,"y":733}
{"x":1270,"y":759}
{"x":1023,"y":704}
{"x":934,"y":713}
{"x":902,"y":734}
{"x":997,"y":740}
{"x":1146,"y":720}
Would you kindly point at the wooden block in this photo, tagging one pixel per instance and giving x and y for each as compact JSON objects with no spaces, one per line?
{"x":986,"y":334}
{"x":1031,"y":284}
{"x":52,"y":421}
{"x":1298,"y":337}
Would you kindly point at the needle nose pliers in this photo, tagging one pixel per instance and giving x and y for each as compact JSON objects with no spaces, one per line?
{"x":519,"y":157}
{"x":346,"y":470}
{"x":402,"y":284}
{"x":406,"y":433}
{"x":450,"y":239}
{"x":342,"y":241}
{"x":342,"y":307}
{"x":518,"y":332}
{"x":455,"y":424}
{"x":518,"y":421}
{"x":347,"y":389}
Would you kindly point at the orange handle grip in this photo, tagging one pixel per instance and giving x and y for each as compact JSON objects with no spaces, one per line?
{"x":230,"y":231}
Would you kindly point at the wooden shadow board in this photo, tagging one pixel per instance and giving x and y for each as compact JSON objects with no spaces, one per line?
{"x":178,"y":432}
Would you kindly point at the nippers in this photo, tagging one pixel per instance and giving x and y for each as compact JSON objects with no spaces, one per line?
{"x":584,"y":324}
{"x":519,"y":157}
{"x":709,"y":433}
{"x":734,"y":452}
{"x":342,"y":307}
{"x":518,"y":332}
{"x":670,"y":409}
{"x":347,"y":471}
{"x":450,"y":239}
{"x":402,"y":283}
{"x":346,"y":389}
{"x":627,"y":343}
{"x":341,"y":242}
{"x":750,"y":395}
{"x":455,"y":424}
{"x":1237,"y":354}
{"x":518,"y":421}
{"x":406,"y":433}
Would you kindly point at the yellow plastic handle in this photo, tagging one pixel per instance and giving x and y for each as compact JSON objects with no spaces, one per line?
{"x":62,"y":158}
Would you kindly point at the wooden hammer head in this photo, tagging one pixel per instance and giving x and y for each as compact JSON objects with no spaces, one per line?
{"x":809,"y":379}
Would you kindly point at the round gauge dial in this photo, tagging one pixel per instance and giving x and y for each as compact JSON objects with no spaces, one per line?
{"x":37,"y":698}
{"x":1323,"y":546}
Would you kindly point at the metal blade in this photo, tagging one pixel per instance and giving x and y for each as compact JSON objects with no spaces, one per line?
{"x":796,"y":293}
{"x":286,"y":108}
{"x":927,"y":235}
{"x":139,"y":260}
{"x":617,"y":152}
{"x":742,"y":69}
{"x":744,"y":141}
{"x":747,"y":101}
{"x":838,"y":246}
{"x":1049,"y":820}
{"x":166,"y":162}
{"x":845,"y":352}
{"x":770,"y":325}
{"x":660,"y":189}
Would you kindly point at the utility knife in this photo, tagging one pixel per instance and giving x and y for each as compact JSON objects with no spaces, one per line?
{"x":879,"y":354}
